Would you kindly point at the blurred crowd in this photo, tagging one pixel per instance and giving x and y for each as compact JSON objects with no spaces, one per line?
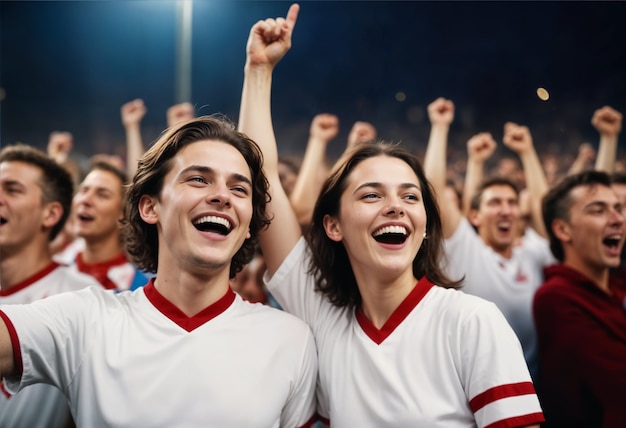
{"x":531,"y":234}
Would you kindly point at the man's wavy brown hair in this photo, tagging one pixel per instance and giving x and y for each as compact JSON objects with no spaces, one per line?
{"x":141,"y":239}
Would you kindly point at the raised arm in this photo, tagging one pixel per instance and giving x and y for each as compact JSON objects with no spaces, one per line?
{"x":608,"y":122}
{"x":60,"y":146}
{"x":179,"y":113}
{"x":7,"y":363}
{"x":361,"y":132}
{"x":132,"y":113}
{"x":324,"y":128}
{"x":441,"y":114}
{"x":268,"y":42}
{"x":518,"y":139}
{"x":586,"y":155}
{"x":479,"y":148}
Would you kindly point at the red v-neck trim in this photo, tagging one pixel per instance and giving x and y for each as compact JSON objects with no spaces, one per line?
{"x":177,"y":316}
{"x":30,"y":280}
{"x":82,"y":266}
{"x":100,"y":271}
{"x":402,"y":311}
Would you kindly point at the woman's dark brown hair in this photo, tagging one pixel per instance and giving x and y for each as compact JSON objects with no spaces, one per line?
{"x":330,"y":264}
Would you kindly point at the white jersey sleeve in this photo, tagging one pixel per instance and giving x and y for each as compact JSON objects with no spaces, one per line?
{"x":52,"y":408}
{"x":52,"y":335}
{"x":298,"y":296}
{"x":492,"y":367}
{"x":294,"y":289}
{"x":538,"y":246}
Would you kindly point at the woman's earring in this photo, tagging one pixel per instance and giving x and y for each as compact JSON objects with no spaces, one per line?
{"x":425,"y":236}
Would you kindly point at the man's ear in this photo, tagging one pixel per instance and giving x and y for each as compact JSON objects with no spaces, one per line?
{"x":473,"y":217}
{"x":52,"y":213}
{"x":332,"y":228}
{"x":147,"y":209}
{"x":562,"y":230}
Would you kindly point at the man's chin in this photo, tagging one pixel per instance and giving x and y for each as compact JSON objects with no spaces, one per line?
{"x":503,"y":244}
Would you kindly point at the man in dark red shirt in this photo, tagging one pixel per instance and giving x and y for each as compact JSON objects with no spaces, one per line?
{"x":580,"y":310}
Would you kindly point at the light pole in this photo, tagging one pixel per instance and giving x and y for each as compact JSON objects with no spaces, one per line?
{"x":183,"y":51}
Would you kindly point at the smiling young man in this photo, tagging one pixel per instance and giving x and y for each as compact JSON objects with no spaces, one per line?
{"x":483,"y":247}
{"x":176,"y":352}
{"x":580,"y":308}
{"x":35,"y":200}
{"x":97,"y":209}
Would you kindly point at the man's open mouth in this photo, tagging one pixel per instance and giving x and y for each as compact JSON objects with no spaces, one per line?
{"x":211,"y":223}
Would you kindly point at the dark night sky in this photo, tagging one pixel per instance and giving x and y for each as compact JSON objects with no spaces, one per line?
{"x":71,"y":65}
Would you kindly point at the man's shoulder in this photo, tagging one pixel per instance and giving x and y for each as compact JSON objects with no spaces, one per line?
{"x":559,"y":283}
{"x":267,"y":316}
{"x":466,"y":246}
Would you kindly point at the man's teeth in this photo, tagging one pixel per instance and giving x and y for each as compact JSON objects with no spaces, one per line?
{"x":612,"y":241}
{"x":391,"y":229}
{"x":213,"y":219}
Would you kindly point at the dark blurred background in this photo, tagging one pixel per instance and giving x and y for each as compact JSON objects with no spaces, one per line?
{"x":71,"y":65}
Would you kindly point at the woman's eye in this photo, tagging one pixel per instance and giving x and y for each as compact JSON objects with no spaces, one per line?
{"x":412,"y":197}
{"x":369,"y":196}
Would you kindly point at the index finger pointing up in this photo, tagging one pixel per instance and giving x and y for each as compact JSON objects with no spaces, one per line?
{"x":292,"y":14}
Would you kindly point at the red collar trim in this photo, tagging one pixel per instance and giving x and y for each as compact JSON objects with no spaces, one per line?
{"x":177,"y":316}
{"x":402,"y":311}
{"x":120,"y":259}
{"x":30,"y":280}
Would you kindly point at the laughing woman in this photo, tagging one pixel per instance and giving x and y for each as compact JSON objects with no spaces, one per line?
{"x":398,"y":345}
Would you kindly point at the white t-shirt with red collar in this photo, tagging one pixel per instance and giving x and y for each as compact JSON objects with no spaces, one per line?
{"x":117,"y":273}
{"x":39,"y":405}
{"x":509,"y":283}
{"x":132,"y":359}
{"x":443,"y":359}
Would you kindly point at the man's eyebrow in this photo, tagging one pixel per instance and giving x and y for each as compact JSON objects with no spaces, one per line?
{"x":502,"y":198}
{"x":11,"y":182}
{"x":202,"y":169}
{"x":597,"y":204}
{"x":97,"y":187}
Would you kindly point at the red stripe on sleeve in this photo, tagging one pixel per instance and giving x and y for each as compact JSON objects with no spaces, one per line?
{"x":3,"y":390}
{"x":519,"y":421}
{"x":500,"y":392}
{"x":324,"y":420}
{"x":15,"y":342}
{"x":310,"y":422}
